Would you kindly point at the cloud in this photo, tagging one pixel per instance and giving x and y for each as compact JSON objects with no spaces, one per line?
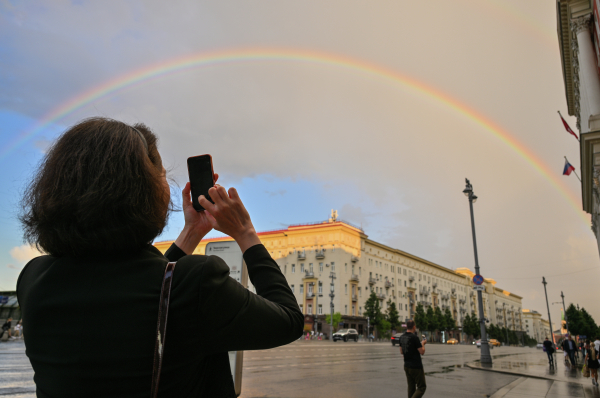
{"x":280,"y":192}
{"x":13,"y":266}
{"x":24,"y":253}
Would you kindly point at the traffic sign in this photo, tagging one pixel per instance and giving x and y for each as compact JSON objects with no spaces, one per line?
{"x":477,"y":279}
{"x":479,"y":288}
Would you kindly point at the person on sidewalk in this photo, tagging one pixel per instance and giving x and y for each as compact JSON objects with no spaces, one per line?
{"x":591,"y":360}
{"x":6,"y":328}
{"x":412,"y":349}
{"x":570,"y":348}
{"x":549,"y":348}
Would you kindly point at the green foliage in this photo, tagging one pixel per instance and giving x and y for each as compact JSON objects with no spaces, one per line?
{"x":392,"y":316}
{"x":449,"y":322}
{"x":432,"y":323}
{"x":420,"y":318}
{"x":373,"y":310}
{"x":337,"y":318}
{"x":440,"y":319}
{"x":471,"y":326}
{"x":529,"y":341}
{"x":384,"y":328}
{"x":580,"y":322}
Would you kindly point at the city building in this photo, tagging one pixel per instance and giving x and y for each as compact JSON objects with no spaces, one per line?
{"x":309,"y":254}
{"x":535,"y":326}
{"x":578,"y":38}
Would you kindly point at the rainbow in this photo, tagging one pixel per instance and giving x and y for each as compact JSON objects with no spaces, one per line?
{"x":216,"y":58}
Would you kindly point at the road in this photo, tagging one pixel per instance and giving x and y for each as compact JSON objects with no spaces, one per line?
{"x":306,"y":369}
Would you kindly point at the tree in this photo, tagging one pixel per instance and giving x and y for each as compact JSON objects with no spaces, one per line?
{"x":373,"y":311}
{"x":432,"y":324}
{"x":574,"y":320}
{"x":420,"y":318}
{"x":337,"y":318}
{"x":590,"y":328}
{"x":392,"y":316}
{"x":471,"y":326}
{"x":449,"y":322}
{"x":384,"y":328}
{"x":441,"y":320}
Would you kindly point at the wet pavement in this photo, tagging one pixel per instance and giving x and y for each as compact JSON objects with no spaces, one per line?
{"x":540,"y":380}
{"x":322,"y":369}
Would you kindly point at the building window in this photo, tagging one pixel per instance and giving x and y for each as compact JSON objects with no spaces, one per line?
{"x":320,"y":309}
{"x":359,"y":292}
{"x":346,"y":267}
{"x":320,"y":267}
{"x":301,"y":268}
{"x":333,"y":248}
{"x":320,"y":287}
{"x":332,"y":266}
{"x":293,"y":268}
{"x":346,"y":288}
{"x":346,"y":309}
{"x":353,"y":310}
{"x":301,"y":288}
{"x":309,"y":308}
{"x":301,"y":309}
{"x":353,"y":290}
{"x":404,"y":283}
{"x":292,"y":287}
{"x":359,"y":311}
{"x":310,"y":267}
{"x":359,"y":271}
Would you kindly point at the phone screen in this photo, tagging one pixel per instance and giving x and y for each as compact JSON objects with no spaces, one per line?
{"x":201,"y":175}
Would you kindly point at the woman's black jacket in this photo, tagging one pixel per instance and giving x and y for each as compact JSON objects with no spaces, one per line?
{"x":90,"y":325}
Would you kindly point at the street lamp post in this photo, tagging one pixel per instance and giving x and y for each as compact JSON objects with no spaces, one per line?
{"x":332,"y":275}
{"x":548,"y":306}
{"x":505,"y":322}
{"x":485,"y":348}
{"x":565,"y":310}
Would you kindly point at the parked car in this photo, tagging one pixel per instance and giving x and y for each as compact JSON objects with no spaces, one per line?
{"x":478,"y":343}
{"x":396,"y":339}
{"x":452,"y":341}
{"x":495,"y":342}
{"x":540,"y":345}
{"x":345,"y":334}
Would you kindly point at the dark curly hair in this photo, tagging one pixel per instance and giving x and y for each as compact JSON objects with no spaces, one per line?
{"x":98,"y":191}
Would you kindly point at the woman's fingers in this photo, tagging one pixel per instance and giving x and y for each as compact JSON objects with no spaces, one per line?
{"x":215,"y":177}
{"x":206,"y":203}
{"x":186,"y":195}
{"x":233,"y":194}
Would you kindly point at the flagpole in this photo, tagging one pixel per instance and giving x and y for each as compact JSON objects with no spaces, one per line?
{"x":574,"y":172}
{"x":563,"y":119}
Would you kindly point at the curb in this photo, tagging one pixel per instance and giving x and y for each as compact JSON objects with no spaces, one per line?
{"x":521,"y":374}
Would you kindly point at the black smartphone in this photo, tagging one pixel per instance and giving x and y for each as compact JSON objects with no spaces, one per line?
{"x":202,"y":178}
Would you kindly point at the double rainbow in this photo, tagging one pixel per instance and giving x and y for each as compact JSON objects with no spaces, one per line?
{"x":216,"y":58}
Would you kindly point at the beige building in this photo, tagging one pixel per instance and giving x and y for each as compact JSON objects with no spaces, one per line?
{"x":535,"y":326}
{"x":309,"y":254}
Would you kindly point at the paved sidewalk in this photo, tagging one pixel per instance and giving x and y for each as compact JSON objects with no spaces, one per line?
{"x":539,"y":380}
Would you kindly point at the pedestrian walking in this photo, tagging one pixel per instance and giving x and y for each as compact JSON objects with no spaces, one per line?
{"x":570,"y":348}
{"x":591,"y":360}
{"x":19,"y":329}
{"x":549,"y":348}
{"x":6,"y":328}
{"x":412,"y":349}
{"x":99,"y":199}
{"x":597,"y":344}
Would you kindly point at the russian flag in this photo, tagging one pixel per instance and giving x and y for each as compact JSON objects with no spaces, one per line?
{"x":567,"y":127}
{"x":568,"y":168}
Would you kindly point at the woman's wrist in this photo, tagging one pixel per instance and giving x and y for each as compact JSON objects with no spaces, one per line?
{"x":247,"y":239}
{"x":188,"y":240}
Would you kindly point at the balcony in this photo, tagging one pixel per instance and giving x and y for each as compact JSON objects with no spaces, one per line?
{"x":320,"y":254}
{"x":434,"y":285}
{"x":380,"y":296}
{"x":353,"y":259}
{"x":411,"y":278}
{"x":301,"y":256}
{"x":411,"y":301}
{"x":388,"y":284}
{"x":309,"y":274}
{"x":310,"y":295}
{"x":372,"y":280}
{"x":354,"y":297}
{"x":353,"y":278}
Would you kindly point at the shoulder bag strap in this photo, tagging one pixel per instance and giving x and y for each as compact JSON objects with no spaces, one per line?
{"x":161,"y":327}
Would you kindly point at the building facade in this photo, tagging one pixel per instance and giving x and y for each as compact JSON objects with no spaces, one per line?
{"x":310,"y":254}
{"x":535,"y":326}
{"x":578,"y":37}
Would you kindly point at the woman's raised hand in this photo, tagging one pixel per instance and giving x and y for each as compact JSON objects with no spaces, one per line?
{"x":197,"y":224}
{"x":228,"y":215}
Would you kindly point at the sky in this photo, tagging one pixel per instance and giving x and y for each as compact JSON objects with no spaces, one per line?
{"x":377,"y":109}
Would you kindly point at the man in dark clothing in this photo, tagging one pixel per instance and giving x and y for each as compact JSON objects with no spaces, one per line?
{"x":570,"y":348}
{"x":6,"y":327}
{"x":412,"y":349}
{"x":549,"y":347}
